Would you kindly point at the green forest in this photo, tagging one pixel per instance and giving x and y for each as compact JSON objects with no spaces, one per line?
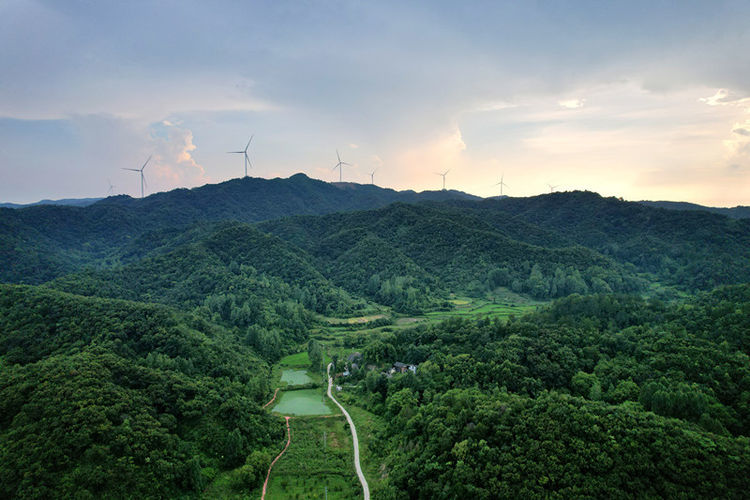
{"x":565,"y":345}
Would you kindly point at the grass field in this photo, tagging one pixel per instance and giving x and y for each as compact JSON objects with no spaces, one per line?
{"x":303,"y":402}
{"x":299,"y":359}
{"x":319,"y":456}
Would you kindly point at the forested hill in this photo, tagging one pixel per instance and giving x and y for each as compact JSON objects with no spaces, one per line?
{"x":42,"y":242}
{"x":739,"y":212}
{"x":252,"y":199}
{"x":116,"y":399}
{"x":693,"y":249}
{"x":606,"y":396}
{"x":426,"y":247}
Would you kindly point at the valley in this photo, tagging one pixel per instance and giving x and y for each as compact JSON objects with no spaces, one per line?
{"x":559,"y":345}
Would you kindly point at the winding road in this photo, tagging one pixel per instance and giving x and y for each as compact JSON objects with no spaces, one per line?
{"x":355,"y":441}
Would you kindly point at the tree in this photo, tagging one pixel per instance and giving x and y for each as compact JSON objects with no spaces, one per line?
{"x":315,"y":353}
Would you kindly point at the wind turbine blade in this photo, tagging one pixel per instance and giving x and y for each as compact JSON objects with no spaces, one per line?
{"x":132,"y":169}
{"x":446,"y":172}
{"x":235,"y":152}
{"x":248,"y":143}
{"x":347,"y":164}
{"x":144,"y":182}
{"x":144,"y":165}
{"x":338,"y":156}
{"x":247,"y":158}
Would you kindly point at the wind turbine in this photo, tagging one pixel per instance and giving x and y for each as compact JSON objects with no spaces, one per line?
{"x":443,"y":174}
{"x":501,"y":184}
{"x":372,"y":176}
{"x":552,"y":188}
{"x":143,"y":179}
{"x":111,"y":187}
{"x":340,"y":166}
{"x":244,"y":153}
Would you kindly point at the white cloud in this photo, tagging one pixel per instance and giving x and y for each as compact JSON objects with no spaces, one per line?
{"x":173,"y":148}
{"x":497,"y":106}
{"x":572,"y":103}
{"x":724,"y":97}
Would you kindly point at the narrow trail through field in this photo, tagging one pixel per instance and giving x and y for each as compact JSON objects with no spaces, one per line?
{"x":288,"y":442}
{"x":355,"y":441}
{"x":273,"y":398}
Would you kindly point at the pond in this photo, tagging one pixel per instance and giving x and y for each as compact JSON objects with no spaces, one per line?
{"x":295,"y":377}
{"x":304,"y":402}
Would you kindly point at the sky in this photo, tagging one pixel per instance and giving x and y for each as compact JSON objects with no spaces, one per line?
{"x":640,"y":100}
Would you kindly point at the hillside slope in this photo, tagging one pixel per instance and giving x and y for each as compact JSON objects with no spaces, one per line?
{"x":42,"y":242}
{"x":105,"y":398}
{"x":693,"y":249}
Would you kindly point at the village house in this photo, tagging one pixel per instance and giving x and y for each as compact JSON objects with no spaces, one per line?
{"x":399,"y":367}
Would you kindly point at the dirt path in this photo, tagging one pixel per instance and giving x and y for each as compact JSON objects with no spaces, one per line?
{"x":288,"y":442}
{"x":273,"y":398}
{"x":355,"y":441}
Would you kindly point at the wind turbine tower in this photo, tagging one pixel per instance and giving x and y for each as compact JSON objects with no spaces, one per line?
{"x":443,"y":174}
{"x":501,"y":184}
{"x":552,"y":188}
{"x":372,"y":176}
{"x":340,"y":166}
{"x":244,"y":154}
{"x":143,"y":179}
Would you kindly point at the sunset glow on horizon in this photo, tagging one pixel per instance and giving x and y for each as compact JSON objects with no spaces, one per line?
{"x":630,"y":99}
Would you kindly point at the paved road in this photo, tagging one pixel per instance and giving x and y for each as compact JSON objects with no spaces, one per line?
{"x":365,"y":488}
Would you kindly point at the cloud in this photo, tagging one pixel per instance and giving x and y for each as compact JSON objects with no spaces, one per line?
{"x":496,"y":106}
{"x":724,"y":97}
{"x":354,"y":146}
{"x":741,"y":131}
{"x":572,"y":103}
{"x":443,"y":152}
{"x":173,"y":148}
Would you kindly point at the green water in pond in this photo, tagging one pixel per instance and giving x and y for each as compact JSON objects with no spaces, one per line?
{"x":295,"y":377}
{"x":304,"y":402}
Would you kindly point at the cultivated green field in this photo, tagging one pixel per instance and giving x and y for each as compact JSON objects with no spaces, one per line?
{"x":299,"y":359}
{"x":319,"y":456}
{"x":303,"y":402}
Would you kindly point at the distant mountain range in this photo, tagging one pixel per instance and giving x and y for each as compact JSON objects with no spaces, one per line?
{"x":41,"y":242}
{"x":69,"y":202}
{"x":352,"y":233}
{"x":739,"y":212}
{"x":353,"y":196}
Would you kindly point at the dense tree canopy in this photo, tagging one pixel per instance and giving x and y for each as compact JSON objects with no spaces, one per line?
{"x":137,"y":363}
